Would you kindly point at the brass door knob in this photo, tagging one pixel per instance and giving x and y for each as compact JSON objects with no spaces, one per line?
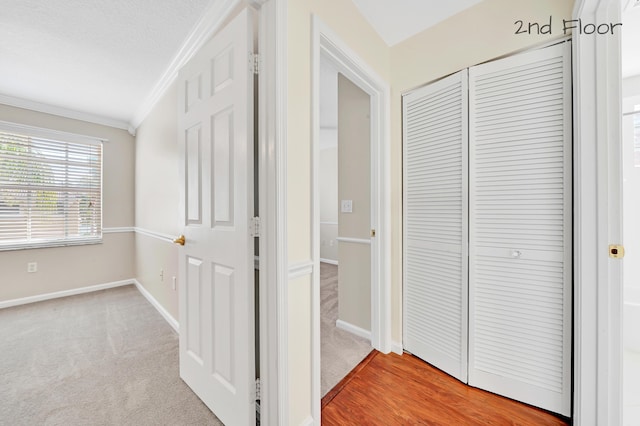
{"x":180,"y":240}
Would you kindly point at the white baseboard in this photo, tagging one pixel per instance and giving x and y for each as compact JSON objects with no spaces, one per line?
{"x":64,"y":293}
{"x":329,"y":261}
{"x":75,"y":291}
{"x":307,"y":422}
{"x":165,"y":314}
{"x":354,"y":329}
{"x":397,"y":348}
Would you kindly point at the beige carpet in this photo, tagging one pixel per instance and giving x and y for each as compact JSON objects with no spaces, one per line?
{"x":341,"y":351}
{"x":103,"y":358}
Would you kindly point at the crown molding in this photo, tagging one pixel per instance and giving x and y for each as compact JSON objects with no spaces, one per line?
{"x":63,"y":112}
{"x":209,"y":23}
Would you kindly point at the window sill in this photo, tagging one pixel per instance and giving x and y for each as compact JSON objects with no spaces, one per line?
{"x":51,"y":244}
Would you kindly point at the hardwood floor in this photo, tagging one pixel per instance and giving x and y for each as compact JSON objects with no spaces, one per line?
{"x":404,"y":390}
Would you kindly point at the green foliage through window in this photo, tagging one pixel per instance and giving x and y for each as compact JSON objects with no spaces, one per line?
{"x":50,"y":191}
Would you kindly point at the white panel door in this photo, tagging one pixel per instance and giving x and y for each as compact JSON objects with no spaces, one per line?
{"x":436,"y":224}
{"x":520,"y":227}
{"x":216,"y":263}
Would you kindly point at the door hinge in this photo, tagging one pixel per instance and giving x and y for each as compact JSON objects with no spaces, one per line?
{"x":255,"y":227}
{"x":254,"y":63}
{"x":258,"y":389}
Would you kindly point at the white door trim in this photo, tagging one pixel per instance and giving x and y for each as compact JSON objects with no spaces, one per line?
{"x":272,"y":158}
{"x":597,"y":177}
{"x":325,"y":42}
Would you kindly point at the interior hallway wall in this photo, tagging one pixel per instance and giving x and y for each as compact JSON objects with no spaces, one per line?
{"x":354,"y":183}
{"x":328,"y":173}
{"x":345,"y":20}
{"x":67,"y":268}
{"x":479,"y":34}
{"x":157,"y":200}
{"x":631,"y":184}
{"x":329,"y":200}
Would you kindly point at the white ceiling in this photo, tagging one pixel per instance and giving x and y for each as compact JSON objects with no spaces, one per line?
{"x":631,"y":41}
{"x":104,"y":57}
{"x":398,"y":20}
{"x":101,"y":57}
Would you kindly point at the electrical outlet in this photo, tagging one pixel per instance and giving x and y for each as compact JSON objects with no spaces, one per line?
{"x":161,"y":275}
{"x":32,"y":267}
{"x":173,"y":283}
{"x":346,"y":206}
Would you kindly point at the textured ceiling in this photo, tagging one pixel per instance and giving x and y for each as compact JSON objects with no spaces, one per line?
{"x":101,"y":57}
{"x":398,"y":20}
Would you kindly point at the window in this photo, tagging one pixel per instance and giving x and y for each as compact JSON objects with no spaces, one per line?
{"x":50,"y":188}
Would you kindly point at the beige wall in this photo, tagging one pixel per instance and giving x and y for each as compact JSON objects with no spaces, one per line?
{"x":157,"y":199}
{"x":478,"y":34}
{"x":354,"y":183}
{"x":631,"y":186}
{"x":66,"y":268}
{"x":328,"y":176}
{"x":345,"y":20}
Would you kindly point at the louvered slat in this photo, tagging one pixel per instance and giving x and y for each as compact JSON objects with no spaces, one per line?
{"x":520,"y":223}
{"x":436,"y":223}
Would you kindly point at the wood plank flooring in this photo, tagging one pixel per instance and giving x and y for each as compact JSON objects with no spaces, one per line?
{"x":404,"y":390}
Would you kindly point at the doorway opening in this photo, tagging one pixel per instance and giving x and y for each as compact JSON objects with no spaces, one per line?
{"x":630,"y":212}
{"x":326,"y":46}
{"x":345,"y":219}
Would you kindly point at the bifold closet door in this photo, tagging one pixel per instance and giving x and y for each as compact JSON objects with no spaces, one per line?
{"x":436,"y":223}
{"x":520,"y":227}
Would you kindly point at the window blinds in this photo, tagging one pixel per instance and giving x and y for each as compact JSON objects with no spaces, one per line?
{"x":50,"y":189}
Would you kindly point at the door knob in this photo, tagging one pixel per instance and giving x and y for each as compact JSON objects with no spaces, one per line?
{"x":180,"y":240}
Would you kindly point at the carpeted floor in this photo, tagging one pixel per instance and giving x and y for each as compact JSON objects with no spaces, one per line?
{"x":341,"y":351}
{"x":103,"y":358}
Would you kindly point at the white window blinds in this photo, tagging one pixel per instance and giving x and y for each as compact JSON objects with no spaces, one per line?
{"x":50,"y":188}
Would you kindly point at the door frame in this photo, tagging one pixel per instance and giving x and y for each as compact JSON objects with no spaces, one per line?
{"x":326,"y":43}
{"x":597,"y":219}
{"x":272,"y":193}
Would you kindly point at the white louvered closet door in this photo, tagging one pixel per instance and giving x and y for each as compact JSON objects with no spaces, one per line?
{"x":436,"y":223}
{"x":520,"y":228}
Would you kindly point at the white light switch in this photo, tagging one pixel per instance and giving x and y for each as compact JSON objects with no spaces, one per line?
{"x":346,"y":206}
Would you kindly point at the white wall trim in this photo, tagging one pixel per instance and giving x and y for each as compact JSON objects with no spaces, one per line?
{"x":397,"y":348}
{"x":597,"y":220}
{"x":274,"y":290}
{"x":118,"y":230}
{"x":63,"y":293}
{"x":275,"y":60}
{"x":353,"y":329}
{"x":326,"y":44}
{"x":308,"y":421}
{"x":300,"y":269}
{"x":152,"y":300}
{"x":353,"y":240}
{"x":209,"y":24}
{"x":328,"y":223}
{"x":153,"y":234}
{"x":329,"y":261}
{"x":63,"y":112}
